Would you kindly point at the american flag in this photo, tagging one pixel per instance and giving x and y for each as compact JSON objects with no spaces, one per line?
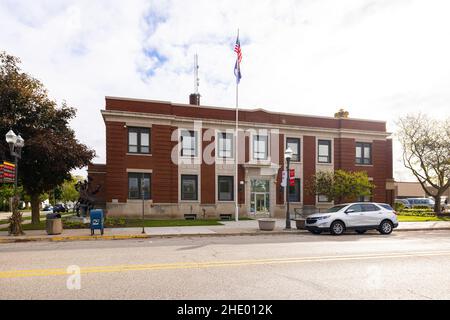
{"x":237,"y":66}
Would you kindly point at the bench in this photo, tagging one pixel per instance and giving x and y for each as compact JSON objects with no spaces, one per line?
{"x":225,"y":216}
{"x":190,"y":216}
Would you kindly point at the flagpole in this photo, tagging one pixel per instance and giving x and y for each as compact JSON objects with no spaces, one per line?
{"x":236,"y":212}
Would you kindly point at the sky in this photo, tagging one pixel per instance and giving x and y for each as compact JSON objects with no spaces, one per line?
{"x":376,"y":59}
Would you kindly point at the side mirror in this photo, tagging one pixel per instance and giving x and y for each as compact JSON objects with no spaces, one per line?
{"x":350,"y":211}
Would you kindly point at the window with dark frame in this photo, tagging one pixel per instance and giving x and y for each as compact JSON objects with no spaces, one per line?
{"x":294,"y":144}
{"x":225,"y":145}
{"x":225,"y":188}
{"x":324,"y":151}
{"x":135,"y":185}
{"x":189,"y":143}
{"x":363,"y":153}
{"x":189,"y":187}
{"x":294,"y":191}
{"x":260,"y":147}
{"x":139,"y":140}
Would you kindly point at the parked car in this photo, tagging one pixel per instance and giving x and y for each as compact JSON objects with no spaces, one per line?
{"x":359,"y":216}
{"x":59,"y":208}
{"x":48,"y":208}
{"x":422,"y":202}
{"x":404,"y":202}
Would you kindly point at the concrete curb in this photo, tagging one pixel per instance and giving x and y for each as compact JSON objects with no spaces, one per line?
{"x":176,"y":235}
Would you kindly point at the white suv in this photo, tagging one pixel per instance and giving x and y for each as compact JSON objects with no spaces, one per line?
{"x":359,"y":216}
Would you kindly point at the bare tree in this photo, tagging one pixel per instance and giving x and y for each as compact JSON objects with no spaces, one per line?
{"x":426,"y":153}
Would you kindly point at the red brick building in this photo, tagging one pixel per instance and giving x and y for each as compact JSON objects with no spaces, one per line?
{"x":180,"y":158}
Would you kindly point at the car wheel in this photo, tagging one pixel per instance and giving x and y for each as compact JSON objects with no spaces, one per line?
{"x":315,"y":231}
{"x":361,"y":231}
{"x":386,"y":227}
{"x":337,"y":228}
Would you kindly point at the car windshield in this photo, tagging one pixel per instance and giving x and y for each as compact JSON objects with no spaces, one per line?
{"x":336,"y":208}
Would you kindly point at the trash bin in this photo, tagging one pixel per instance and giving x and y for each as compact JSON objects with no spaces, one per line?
{"x":96,"y":220}
{"x":53,"y":223}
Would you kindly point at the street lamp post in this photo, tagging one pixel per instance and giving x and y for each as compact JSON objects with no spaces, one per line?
{"x":143,"y":202}
{"x":16,"y":144}
{"x":288,"y":155}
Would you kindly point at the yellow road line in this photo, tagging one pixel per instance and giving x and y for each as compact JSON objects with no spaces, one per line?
{"x":212,"y":264}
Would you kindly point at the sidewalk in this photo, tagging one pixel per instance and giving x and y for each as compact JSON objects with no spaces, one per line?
{"x":229,"y":228}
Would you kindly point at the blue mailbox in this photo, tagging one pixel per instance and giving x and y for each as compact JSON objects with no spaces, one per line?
{"x":96,"y":220}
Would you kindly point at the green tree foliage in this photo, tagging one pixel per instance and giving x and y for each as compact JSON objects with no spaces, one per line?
{"x":51,"y":150}
{"x":6,"y":192}
{"x":340,"y":185}
{"x":68,"y":191}
{"x":426,"y":153}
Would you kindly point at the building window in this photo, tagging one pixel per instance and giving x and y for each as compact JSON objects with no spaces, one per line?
{"x":225,"y":187}
{"x":260,"y":147}
{"x":225,"y":145}
{"x":294,"y":144}
{"x":189,"y":143}
{"x":138,"y":140}
{"x":189,"y":187}
{"x":294,"y":191}
{"x":323,"y":198}
{"x":324,"y":151}
{"x":135,"y":187}
{"x":363,"y":153}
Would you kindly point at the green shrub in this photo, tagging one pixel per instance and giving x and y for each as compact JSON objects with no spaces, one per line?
{"x":398,"y":206}
{"x":115,"y":222}
{"x":418,"y":212}
{"x":67,"y":224}
{"x":421,"y":207}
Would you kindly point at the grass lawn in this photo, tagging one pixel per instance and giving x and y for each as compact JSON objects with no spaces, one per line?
{"x":421,"y":218}
{"x":5,"y":221}
{"x":127,"y":223}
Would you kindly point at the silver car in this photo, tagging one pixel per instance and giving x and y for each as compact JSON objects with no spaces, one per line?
{"x":359,"y":216}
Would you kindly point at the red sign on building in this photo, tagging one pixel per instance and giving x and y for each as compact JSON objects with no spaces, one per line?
{"x":7,"y":172}
{"x":291,"y":177}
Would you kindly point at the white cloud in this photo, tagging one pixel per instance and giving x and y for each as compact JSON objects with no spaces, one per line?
{"x":378,"y":59}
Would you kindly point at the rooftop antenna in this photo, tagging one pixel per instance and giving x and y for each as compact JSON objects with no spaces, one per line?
{"x":194,"y":98}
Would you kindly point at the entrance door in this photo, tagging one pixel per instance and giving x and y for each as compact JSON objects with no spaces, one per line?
{"x":261,"y":203}
{"x":260,"y":197}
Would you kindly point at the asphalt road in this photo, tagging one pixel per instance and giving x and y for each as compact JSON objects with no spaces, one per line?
{"x":404,"y":265}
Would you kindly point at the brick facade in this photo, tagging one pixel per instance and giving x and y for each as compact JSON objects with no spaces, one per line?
{"x":164,"y":118}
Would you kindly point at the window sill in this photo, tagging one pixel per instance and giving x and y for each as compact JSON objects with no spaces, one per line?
{"x":324,"y":163}
{"x":189,"y":201}
{"x":363,"y":165}
{"x":139,"y":154}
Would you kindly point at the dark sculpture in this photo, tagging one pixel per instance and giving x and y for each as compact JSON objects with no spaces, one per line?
{"x":86,"y":200}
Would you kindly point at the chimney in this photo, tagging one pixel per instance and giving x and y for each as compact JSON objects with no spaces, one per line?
{"x":194,"y":98}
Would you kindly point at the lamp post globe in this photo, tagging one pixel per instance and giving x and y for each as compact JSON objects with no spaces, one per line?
{"x":20,"y":142}
{"x":11,"y":137}
{"x":288,"y":156}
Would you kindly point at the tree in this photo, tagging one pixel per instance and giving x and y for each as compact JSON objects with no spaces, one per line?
{"x":68,"y":190}
{"x":340,"y":185}
{"x":51,"y":150}
{"x":6,"y":192}
{"x":426,"y":153}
